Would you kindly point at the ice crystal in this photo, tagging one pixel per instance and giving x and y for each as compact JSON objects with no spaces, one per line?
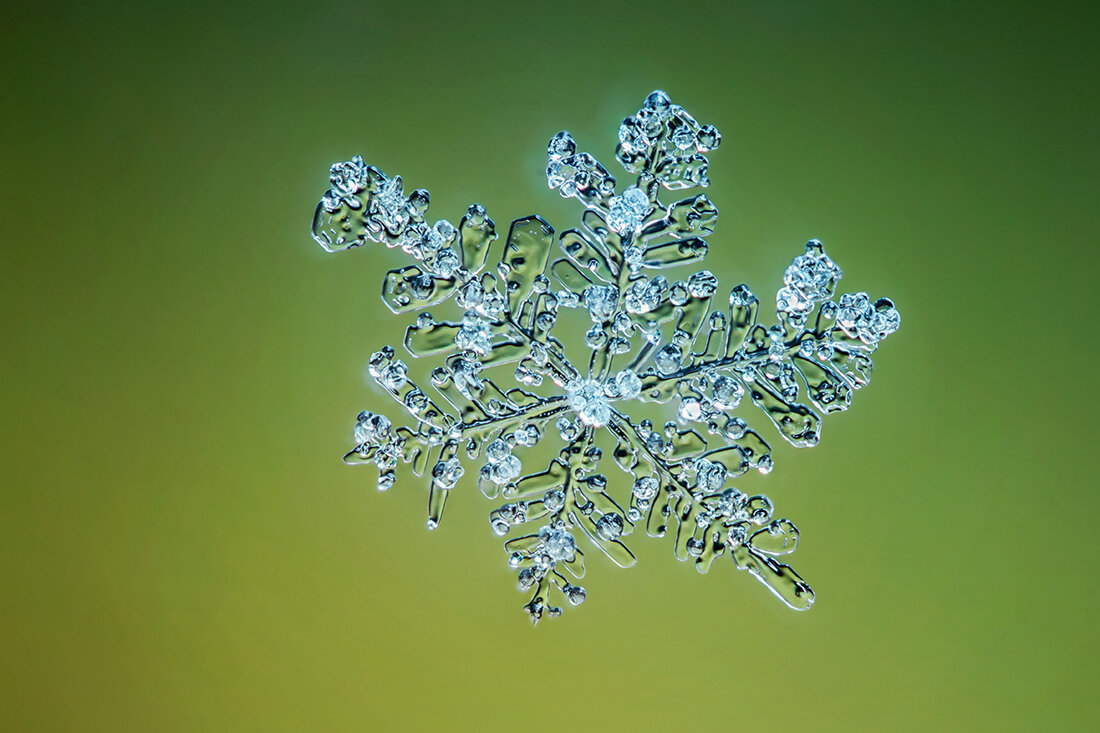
{"x":681,"y":344}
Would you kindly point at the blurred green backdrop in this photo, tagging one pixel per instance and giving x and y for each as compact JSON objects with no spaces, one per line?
{"x":182,"y":548}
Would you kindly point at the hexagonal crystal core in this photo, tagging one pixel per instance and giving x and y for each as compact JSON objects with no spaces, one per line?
{"x":587,"y":398}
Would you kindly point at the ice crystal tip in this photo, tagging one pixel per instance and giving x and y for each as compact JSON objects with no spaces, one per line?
{"x":671,"y":340}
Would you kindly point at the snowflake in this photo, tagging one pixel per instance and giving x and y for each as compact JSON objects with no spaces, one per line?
{"x":677,"y":343}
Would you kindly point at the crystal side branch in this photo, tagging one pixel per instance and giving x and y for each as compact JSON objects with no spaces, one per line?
{"x":650,"y":340}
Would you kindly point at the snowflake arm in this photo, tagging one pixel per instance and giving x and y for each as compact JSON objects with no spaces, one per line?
{"x":650,"y":340}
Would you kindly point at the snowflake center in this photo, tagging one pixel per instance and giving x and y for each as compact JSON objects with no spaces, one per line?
{"x":587,"y":399}
{"x":591,"y":399}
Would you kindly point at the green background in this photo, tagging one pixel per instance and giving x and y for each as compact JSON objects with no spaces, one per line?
{"x":180,"y":546}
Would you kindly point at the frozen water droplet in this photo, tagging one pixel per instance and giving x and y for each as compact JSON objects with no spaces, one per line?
{"x":419,"y":201}
{"x":870,"y":324}
{"x":447,"y":473}
{"x":557,"y":543}
{"x":668,"y":358}
{"x":808,"y":280}
{"x":497,"y":450}
{"x":505,"y":470}
{"x":561,"y":146}
{"x":741,"y":296}
{"x":527,"y":435}
{"x":391,"y":205}
{"x":601,"y":301}
{"x":474,"y":335}
{"x":568,"y":429}
{"x":727,"y":392}
{"x":575,"y":594}
{"x":553,"y":500}
{"x":348,"y":178}
{"x":446,"y":263}
{"x":760,"y":510}
{"x":709,"y":475}
{"x":702,"y":284}
{"x":628,"y":384}
{"x":678,"y":293}
{"x":371,"y":428}
{"x":609,"y":526}
{"x":627,"y":212}
{"x":380,"y":360}
{"x":690,"y":409}
{"x":709,"y":138}
{"x":633,"y":136}
{"x":683,"y":138}
{"x":394,"y":376}
{"x":737,"y":535}
{"x":595,"y":337}
{"x":659,"y":103}
{"x":568,"y":299}
{"x":646,"y":487}
{"x":471,"y":295}
{"x":645,"y":295}
{"x":526,"y":578}
{"x":416,"y":401}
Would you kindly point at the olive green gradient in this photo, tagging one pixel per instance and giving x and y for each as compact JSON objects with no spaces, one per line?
{"x":180,"y":546}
